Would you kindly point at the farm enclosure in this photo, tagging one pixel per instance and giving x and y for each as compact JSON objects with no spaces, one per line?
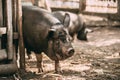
{"x":96,"y":59}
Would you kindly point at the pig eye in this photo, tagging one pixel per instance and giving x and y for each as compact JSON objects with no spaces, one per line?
{"x":62,"y":33}
{"x":62,"y":36}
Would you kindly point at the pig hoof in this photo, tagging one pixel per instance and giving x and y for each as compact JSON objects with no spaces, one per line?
{"x":40,"y":70}
{"x":59,"y":72}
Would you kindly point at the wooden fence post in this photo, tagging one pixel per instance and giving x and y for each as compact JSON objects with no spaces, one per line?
{"x":118,"y":7}
{"x":82,"y":5}
{"x":9,"y":29}
{"x":36,"y":2}
{"x":47,"y":6}
{"x":21,"y":44}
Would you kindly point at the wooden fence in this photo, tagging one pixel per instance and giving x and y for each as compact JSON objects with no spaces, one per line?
{"x":101,"y":6}
{"x":98,"y":6}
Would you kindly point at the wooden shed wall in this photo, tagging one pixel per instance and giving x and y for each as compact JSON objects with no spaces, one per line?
{"x":101,"y":6}
{"x":1,"y":14}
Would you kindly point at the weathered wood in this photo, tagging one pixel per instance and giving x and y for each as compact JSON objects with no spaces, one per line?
{"x":3,"y":54}
{"x":15,"y":35}
{"x":2,"y":30}
{"x":1,"y":14}
{"x":21,"y":44}
{"x":101,"y":6}
{"x":7,"y":69}
{"x":9,"y":29}
{"x":15,"y":28}
{"x":36,"y":2}
{"x":3,"y":41}
{"x":7,"y":53}
{"x":66,"y":4}
{"x":14,"y":16}
{"x":118,"y":7}
{"x":47,"y":6}
{"x":82,"y":5}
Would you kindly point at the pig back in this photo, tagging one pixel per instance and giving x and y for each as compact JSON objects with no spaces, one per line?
{"x":36,"y":24}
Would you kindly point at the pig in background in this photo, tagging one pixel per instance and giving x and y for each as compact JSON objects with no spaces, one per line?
{"x":77,"y":25}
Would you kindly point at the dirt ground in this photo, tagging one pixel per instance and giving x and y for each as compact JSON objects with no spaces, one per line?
{"x":96,"y":59}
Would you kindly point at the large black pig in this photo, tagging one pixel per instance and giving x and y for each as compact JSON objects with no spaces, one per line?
{"x":42,"y":32}
{"x":77,"y":24}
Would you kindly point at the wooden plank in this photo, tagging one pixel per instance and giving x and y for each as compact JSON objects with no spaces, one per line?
{"x":3,"y":54}
{"x":21,"y":44}
{"x":63,"y":4}
{"x":1,"y":14}
{"x":14,"y":16}
{"x":9,"y":29}
{"x":2,"y":30}
{"x":82,"y":5}
{"x":47,"y":6}
{"x":106,"y":6}
{"x":118,"y":7}
{"x":7,"y":69}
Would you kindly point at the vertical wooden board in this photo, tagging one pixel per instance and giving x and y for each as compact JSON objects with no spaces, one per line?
{"x":21,"y":44}
{"x":118,"y":7}
{"x":1,"y":15}
{"x":9,"y":29}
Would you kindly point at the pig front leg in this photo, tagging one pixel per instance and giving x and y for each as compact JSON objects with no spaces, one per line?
{"x":39,"y":62}
{"x":57,"y":67}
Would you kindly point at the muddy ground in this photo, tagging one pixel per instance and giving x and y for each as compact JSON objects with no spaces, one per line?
{"x":97,"y":59}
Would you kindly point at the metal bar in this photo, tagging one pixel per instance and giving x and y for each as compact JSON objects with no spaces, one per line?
{"x":21,"y":44}
{"x":9,"y":29}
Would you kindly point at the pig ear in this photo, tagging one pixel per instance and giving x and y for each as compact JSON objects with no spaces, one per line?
{"x":51,"y":33}
{"x":66,"y":20}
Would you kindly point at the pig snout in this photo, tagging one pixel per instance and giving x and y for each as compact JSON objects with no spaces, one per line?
{"x":70,"y":52}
